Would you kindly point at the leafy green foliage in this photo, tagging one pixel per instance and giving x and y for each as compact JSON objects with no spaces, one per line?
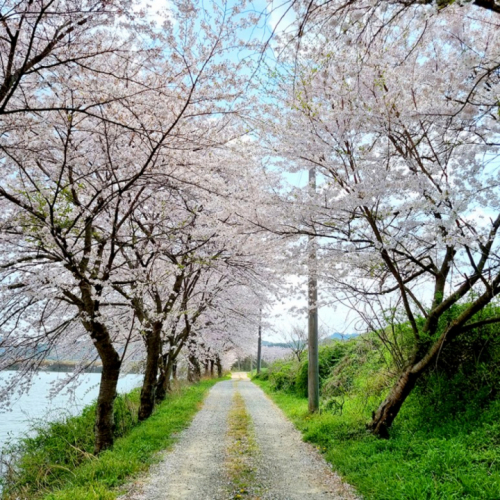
{"x":263,"y":375}
{"x":283,"y":375}
{"x":291,"y":375}
{"x":329,"y":355}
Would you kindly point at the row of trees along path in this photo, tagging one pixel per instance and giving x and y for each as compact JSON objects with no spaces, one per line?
{"x":146,"y":210}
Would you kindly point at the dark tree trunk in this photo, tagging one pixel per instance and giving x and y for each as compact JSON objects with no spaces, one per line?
{"x":212,"y":368}
{"x":104,"y":421}
{"x":111,"y":364}
{"x":383,"y":418}
{"x":190,"y":374}
{"x":174,"y":370}
{"x":386,"y":413}
{"x":194,"y":370}
{"x":153,"y":350}
{"x":163,"y":386}
{"x":219,"y":367}
{"x":206,"y":366}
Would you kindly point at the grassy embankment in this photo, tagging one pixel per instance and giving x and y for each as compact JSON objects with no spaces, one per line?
{"x":58,"y":463}
{"x":445,"y":443}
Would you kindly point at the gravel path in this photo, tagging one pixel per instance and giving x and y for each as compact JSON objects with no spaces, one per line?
{"x":194,"y":468}
{"x":287,"y":468}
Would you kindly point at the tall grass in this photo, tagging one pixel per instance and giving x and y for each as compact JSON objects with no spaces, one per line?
{"x":57,"y":463}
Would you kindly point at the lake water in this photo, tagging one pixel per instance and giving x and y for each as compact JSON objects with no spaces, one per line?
{"x":36,"y":404}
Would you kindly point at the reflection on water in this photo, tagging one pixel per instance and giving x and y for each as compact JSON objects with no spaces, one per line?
{"x":36,"y":403}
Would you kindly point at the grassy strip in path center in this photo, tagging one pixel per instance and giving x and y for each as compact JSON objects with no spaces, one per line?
{"x":241,"y":451}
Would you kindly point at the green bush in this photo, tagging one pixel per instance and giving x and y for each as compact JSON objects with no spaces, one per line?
{"x":263,"y":375}
{"x":283,"y":375}
{"x":467,"y":372}
{"x":290,"y":375}
{"x":329,"y":355}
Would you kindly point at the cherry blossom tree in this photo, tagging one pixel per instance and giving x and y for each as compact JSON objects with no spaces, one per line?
{"x":61,"y":57}
{"x":311,"y":16}
{"x":76,"y":181}
{"x":403,"y":131}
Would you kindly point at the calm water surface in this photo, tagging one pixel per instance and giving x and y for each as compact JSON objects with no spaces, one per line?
{"x":37,"y":405}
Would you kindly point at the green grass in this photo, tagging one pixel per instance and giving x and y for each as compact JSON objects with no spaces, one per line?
{"x":241,"y":452}
{"x":431,"y":454}
{"x":82,"y":476}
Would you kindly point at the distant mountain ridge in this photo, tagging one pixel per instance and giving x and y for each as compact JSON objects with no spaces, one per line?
{"x":343,"y":336}
{"x":276,"y":344}
{"x":333,"y":336}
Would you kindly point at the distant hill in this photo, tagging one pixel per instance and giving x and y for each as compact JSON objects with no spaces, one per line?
{"x":342,"y":336}
{"x":333,"y":336}
{"x":276,"y":344}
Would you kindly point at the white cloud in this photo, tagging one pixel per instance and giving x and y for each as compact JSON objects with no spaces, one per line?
{"x":281,"y":16}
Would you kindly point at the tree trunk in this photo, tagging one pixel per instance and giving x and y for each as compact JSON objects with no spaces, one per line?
{"x":190,"y":374}
{"x":174,"y":370}
{"x":212,"y":368}
{"x":160,"y":391}
{"x":111,"y":364}
{"x":388,"y":410}
{"x":104,"y":419}
{"x":383,"y":418}
{"x":219,"y":367}
{"x":163,"y":386}
{"x":194,"y":370}
{"x":153,"y":350}
{"x":206,"y":366}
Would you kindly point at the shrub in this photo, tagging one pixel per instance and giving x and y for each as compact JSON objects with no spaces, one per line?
{"x":329,"y":355}
{"x":263,"y":375}
{"x":283,"y":375}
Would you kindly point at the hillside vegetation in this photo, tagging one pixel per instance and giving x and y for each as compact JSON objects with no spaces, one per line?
{"x":445,"y":442}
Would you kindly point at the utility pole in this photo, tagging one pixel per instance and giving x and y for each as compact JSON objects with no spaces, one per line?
{"x":312,"y":295}
{"x":259,"y":345}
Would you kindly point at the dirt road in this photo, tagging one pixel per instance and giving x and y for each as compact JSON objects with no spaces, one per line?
{"x":209,"y":462}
